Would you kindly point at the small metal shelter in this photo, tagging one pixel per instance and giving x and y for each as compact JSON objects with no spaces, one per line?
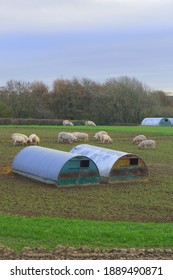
{"x":55,"y":167}
{"x":157,"y":121}
{"x":114,"y":166}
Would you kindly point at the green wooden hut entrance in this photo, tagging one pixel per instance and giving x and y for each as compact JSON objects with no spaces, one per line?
{"x":78,"y":171}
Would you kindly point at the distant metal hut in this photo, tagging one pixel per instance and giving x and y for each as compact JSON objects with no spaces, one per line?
{"x":55,"y":167}
{"x":114,"y":166}
{"x":157,"y":121}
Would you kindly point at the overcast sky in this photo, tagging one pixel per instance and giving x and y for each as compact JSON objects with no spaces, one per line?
{"x":43,"y":40}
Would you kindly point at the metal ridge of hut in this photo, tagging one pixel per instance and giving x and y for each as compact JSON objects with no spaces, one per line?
{"x":55,"y":167}
{"x":114,"y":166}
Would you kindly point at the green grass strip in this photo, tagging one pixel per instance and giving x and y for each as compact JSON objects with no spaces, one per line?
{"x":19,"y":232}
{"x":136,"y":129}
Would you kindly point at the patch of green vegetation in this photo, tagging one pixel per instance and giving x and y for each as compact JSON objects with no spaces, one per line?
{"x":136,"y":129}
{"x":20,"y":232}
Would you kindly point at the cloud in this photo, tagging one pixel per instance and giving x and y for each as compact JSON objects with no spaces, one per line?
{"x":44,"y":39}
{"x":57,"y":15}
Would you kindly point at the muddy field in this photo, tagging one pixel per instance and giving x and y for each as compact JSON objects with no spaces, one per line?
{"x":149,"y":201}
{"x":62,"y":253}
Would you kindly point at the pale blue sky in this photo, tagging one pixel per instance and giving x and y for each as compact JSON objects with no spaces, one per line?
{"x":45,"y":40}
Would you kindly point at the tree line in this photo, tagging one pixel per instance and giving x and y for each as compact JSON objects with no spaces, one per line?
{"x":122,"y":100}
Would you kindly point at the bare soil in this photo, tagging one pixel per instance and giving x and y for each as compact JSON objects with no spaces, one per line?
{"x":62,"y":253}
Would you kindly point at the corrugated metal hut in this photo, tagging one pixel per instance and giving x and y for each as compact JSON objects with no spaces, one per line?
{"x":157,"y":121}
{"x":171,"y":121}
{"x":114,"y":166}
{"x":55,"y":167}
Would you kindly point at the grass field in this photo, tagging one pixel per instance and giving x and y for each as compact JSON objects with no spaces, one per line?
{"x":99,"y":216}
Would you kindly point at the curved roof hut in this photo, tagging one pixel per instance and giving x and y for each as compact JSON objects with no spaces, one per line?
{"x":114,"y":166}
{"x":157,"y":121}
{"x":55,"y":167}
